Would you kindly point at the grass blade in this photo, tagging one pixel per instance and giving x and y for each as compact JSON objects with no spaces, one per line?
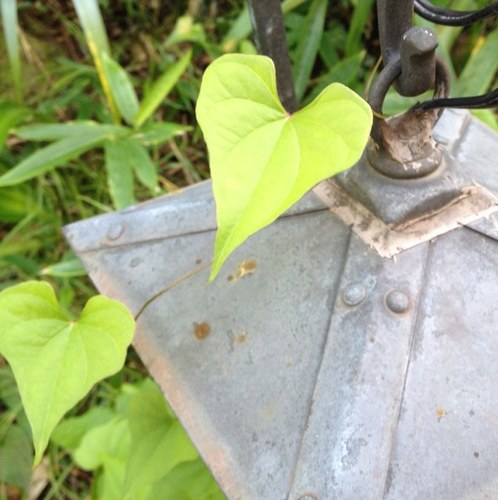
{"x":9,"y":21}
{"x":72,"y":268}
{"x":360,"y":17}
{"x":157,"y":133}
{"x":56,"y":131}
{"x":308,"y":44}
{"x":480,"y":69}
{"x":10,"y":115}
{"x":121,"y":87}
{"x":161,"y":88}
{"x":96,"y":38}
{"x":51,"y":156}
{"x":119,"y":175}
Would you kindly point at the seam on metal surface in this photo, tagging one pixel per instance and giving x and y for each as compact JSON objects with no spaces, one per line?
{"x":322,"y":352}
{"x":415,"y":325}
{"x":180,"y":235}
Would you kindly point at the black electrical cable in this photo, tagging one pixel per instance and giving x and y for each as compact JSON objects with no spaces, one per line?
{"x":489,"y":100}
{"x":437,"y":15}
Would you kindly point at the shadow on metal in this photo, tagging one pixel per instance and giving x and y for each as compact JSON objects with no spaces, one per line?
{"x":313,"y":368}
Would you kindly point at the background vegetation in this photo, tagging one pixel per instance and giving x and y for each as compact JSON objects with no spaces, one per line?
{"x":50,"y":74}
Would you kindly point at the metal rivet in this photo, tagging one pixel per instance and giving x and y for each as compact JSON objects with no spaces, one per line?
{"x":115,"y":231}
{"x":353,"y":294}
{"x":397,"y":301}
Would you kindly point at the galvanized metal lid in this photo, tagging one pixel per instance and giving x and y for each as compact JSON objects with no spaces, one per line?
{"x":313,"y":367}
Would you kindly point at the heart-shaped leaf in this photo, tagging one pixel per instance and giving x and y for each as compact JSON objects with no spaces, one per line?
{"x":57,"y":361}
{"x":262,"y":158}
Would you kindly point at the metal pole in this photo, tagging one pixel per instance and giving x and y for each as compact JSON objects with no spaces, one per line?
{"x":268,"y":25}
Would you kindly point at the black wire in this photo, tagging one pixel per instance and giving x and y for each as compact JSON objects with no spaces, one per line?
{"x":437,"y":15}
{"x":489,"y":100}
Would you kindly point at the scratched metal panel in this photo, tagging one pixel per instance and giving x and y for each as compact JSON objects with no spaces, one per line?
{"x":306,"y":378}
{"x":243,"y":391}
{"x":447,"y":436}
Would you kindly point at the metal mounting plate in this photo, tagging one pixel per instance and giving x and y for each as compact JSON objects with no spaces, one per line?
{"x":312,"y":367}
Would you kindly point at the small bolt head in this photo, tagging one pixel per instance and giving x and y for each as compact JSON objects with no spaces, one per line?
{"x":397,"y":301}
{"x":115,"y":231}
{"x":353,"y":294}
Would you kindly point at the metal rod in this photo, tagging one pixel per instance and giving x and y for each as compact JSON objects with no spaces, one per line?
{"x":268,"y":24}
{"x":449,"y":17}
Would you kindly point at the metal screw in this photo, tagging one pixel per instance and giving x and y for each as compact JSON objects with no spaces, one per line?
{"x":397,"y":301}
{"x":115,"y":231}
{"x":353,"y":294}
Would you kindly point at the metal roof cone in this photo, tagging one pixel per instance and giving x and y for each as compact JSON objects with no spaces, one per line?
{"x":313,"y":367}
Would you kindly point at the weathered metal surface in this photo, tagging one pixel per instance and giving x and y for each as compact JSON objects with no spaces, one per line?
{"x":312,"y":367}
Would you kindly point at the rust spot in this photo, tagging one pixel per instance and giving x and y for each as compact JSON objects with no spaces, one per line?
{"x":240,"y":339}
{"x":201,"y":330}
{"x":247,"y":266}
{"x":440,"y":413}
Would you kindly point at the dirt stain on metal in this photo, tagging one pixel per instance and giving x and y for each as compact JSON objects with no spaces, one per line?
{"x":440,"y":413}
{"x":240,"y":339}
{"x":246,"y":267}
{"x":202,"y":330}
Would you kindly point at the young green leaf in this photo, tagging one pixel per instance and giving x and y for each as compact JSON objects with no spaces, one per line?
{"x":57,"y":361}
{"x":158,"y":443}
{"x":161,"y":88}
{"x":263,"y":159}
{"x":121,"y":88}
{"x":140,"y":161}
{"x":107,"y":446}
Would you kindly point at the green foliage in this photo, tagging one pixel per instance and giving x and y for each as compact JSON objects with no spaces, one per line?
{"x":56,"y":361}
{"x":263,"y":159}
{"x":137,"y":449}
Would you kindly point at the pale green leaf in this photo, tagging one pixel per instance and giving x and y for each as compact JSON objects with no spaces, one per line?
{"x":187,"y":481}
{"x":54,"y":155}
{"x":262,"y":159}
{"x":121,"y":88}
{"x":57,"y":361}
{"x":70,"y":432}
{"x":161,"y":88}
{"x":56,"y":131}
{"x":119,"y":175}
{"x":111,"y":439}
{"x":158,"y":443}
{"x":106,"y":447}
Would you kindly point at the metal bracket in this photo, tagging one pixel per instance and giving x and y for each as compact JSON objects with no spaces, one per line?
{"x":403,"y":147}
